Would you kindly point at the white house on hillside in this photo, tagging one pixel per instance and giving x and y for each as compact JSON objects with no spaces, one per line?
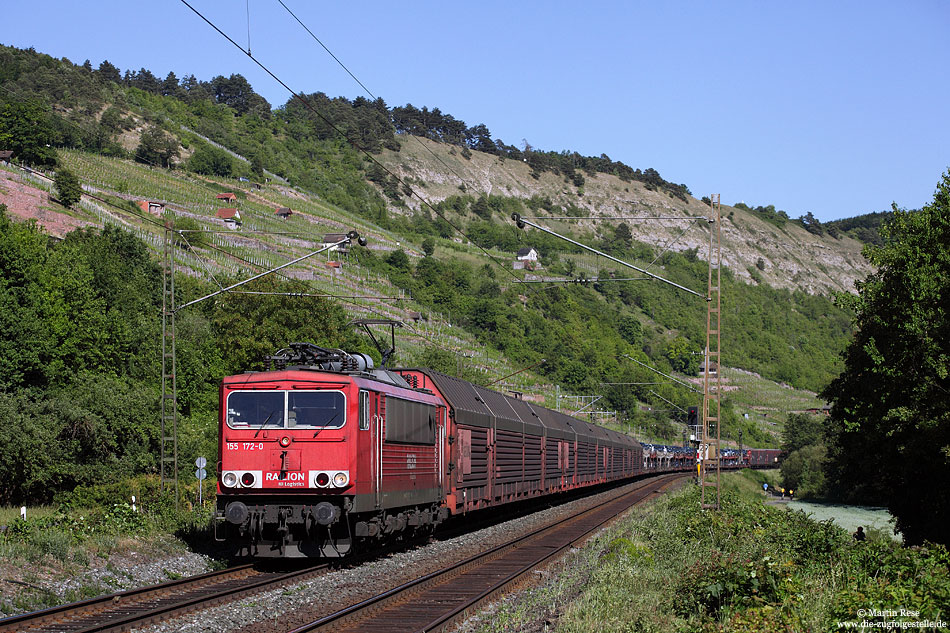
{"x":527,"y":259}
{"x":527,"y":255}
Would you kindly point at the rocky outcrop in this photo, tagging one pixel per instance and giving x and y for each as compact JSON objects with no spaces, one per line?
{"x":754,"y":249}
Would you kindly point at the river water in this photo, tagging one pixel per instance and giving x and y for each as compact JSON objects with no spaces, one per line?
{"x":850,"y":517}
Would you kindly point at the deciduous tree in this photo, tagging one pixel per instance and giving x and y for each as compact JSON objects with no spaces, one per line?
{"x":156,"y":148}
{"x":67,"y":187}
{"x":211,"y":161}
{"x":682,"y":356}
{"x":891,"y":405}
{"x":25,"y":128}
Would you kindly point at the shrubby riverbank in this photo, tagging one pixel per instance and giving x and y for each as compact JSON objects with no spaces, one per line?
{"x":749,"y":567}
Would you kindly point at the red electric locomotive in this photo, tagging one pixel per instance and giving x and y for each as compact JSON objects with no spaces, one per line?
{"x":307,"y":449}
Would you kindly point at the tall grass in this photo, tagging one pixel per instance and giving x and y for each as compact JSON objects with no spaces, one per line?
{"x":9,"y":514}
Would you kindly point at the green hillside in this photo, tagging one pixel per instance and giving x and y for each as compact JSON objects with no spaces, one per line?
{"x":443,"y":267}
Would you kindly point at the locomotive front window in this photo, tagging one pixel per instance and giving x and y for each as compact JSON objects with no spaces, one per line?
{"x":256,"y":409}
{"x":325,"y":409}
{"x":286,"y":409}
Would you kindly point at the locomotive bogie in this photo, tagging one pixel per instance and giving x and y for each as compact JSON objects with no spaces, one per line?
{"x":285,"y":528}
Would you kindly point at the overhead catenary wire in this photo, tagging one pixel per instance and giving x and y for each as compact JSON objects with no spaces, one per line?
{"x":673,"y":378}
{"x":356,"y":145}
{"x":309,"y":294}
{"x":671,"y":242}
{"x":347,"y":299}
{"x":608,"y":218}
{"x":367,"y":90}
{"x":266,"y":272}
{"x":632,"y":383}
{"x":668,"y":402}
{"x":329,"y":52}
{"x":206,"y":266}
{"x":521,"y":222}
{"x":584,"y":280}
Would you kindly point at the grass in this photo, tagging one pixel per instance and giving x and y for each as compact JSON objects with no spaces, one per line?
{"x":62,"y":543}
{"x":748,"y":483}
{"x":55,"y":554}
{"x":9,"y":514}
{"x":761,"y":394}
{"x":766,"y":403}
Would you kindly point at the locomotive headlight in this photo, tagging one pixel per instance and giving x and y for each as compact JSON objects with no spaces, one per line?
{"x":285,"y":441}
{"x":229,"y":479}
{"x":321,"y":480}
{"x":340,"y":480}
{"x":247,"y":480}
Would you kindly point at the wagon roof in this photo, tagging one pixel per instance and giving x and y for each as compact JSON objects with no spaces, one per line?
{"x":477,"y":406}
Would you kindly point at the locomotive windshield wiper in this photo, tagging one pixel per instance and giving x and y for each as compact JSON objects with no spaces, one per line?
{"x":327,"y":423}
{"x":264,"y":423}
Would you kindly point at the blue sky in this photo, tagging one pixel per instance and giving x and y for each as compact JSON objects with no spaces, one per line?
{"x":837,"y":108}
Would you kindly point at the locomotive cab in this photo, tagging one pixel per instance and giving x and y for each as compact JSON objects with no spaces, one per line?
{"x":285,"y":454}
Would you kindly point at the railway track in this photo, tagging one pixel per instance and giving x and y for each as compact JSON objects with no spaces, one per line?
{"x":431,"y":602}
{"x":443,"y":598}
{"x":128,"y":610}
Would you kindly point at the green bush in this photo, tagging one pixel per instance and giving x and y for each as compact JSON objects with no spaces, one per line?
{"x":211,"y":161}
{"x":883,"y":575}
{"x":721,"y":581}
{"x":67,"y":187}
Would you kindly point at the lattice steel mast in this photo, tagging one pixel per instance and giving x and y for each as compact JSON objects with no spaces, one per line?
{"x":169,"y":430}
{"x":712,"y":377}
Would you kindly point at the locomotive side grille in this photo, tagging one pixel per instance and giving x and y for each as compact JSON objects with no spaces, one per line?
{"x":410,"y":422}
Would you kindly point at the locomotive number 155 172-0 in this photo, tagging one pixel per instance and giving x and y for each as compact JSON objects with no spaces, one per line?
{"x":245,"y":446}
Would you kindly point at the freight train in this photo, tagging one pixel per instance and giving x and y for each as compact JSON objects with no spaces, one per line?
{"x":324,"y":452}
